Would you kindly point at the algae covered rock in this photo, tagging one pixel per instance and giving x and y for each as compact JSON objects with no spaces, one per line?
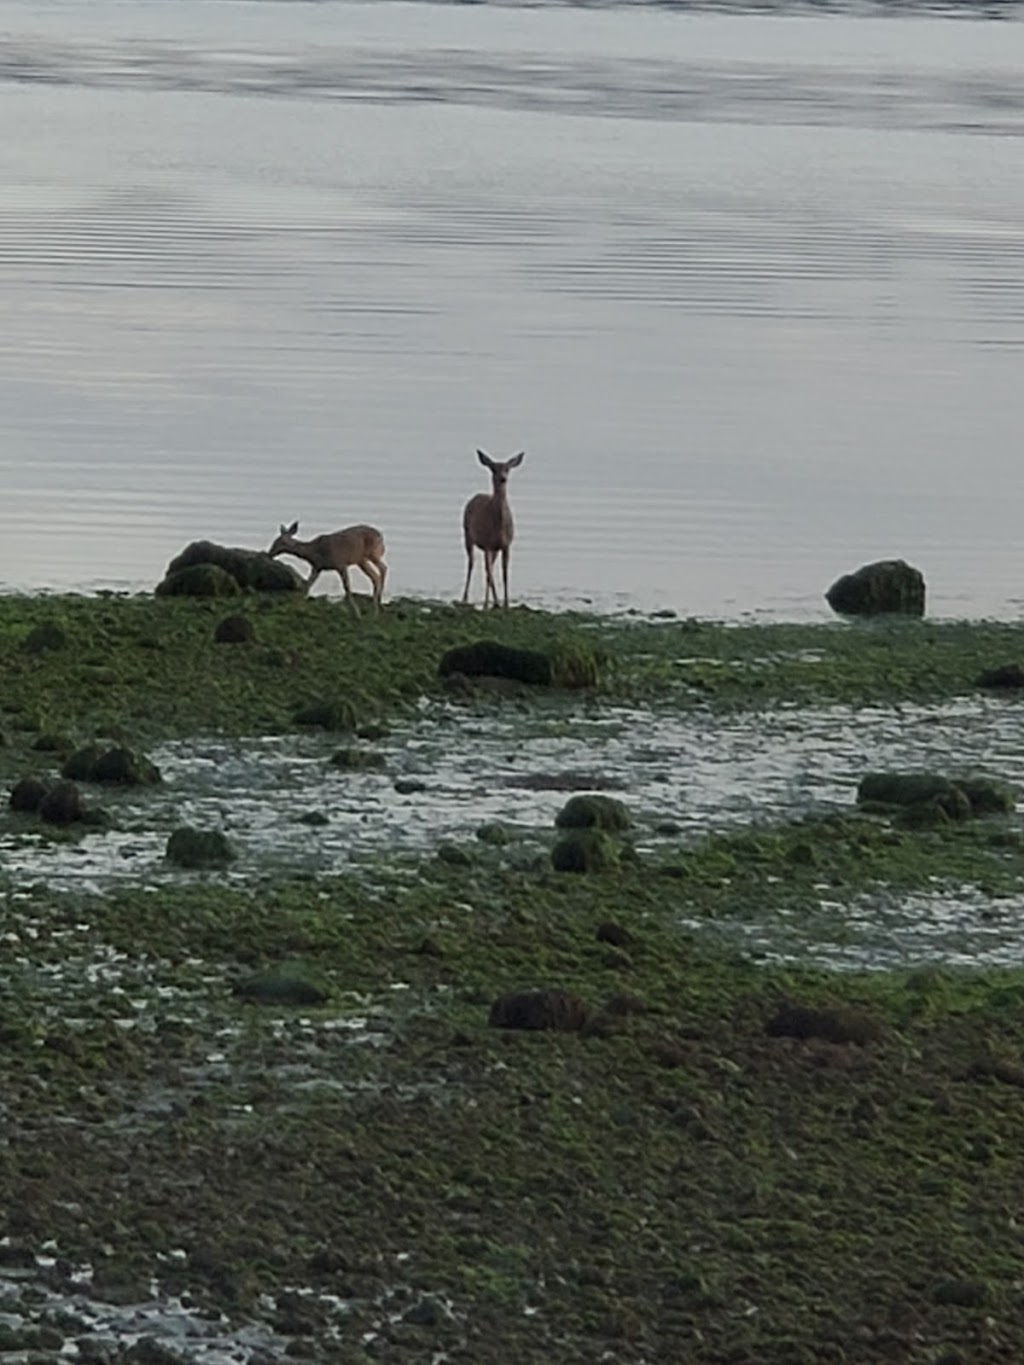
{"x":593,"y":811}
{"x":887,"y":587}
{"x":562,"y":1011}
{"x":585,"y":850}
{"x":839,"y":1024}
{"x":928,"y":798}
{"x":234,"y":630}
{"x":1005,"y":677}
{"x":115,"y":766}
{"x":62,"y":804}
{"x":331,"y":713}
{"x":48,"y":635}
{"x":198,"y":848}
{"x":248,"y":570}
{"x":198,"y":580}
{"x":357,"y":760}
{"x":27,"y":794}
{"x":568,"y":665}
{"x":287,"y":984}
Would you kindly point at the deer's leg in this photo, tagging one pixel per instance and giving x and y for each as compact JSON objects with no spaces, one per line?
{"x":491,"y":593}
{"x":469,"y":574}
{"x":376,"y":580}
{"x":504,"y":574}
{"x":314,"y":574}
{"x":382,"y":570}
{"x":348,"y":590}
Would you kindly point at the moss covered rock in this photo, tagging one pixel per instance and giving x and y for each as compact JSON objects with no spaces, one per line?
{"x":592,"y":811}
{"x":1004,"y":677}
{"x":115,"y":766}
{"x":27,"y":794}
{"x":838,"y":1024}
{"x":48,"y":635}
{"x":198,"y":580}
{"x":357,"y":760}
{"x":585,"y":850}
{"x":62,"y":804}
{"x":290,"y":983}
{"x":559,"y":1010}
{"x":249,"y":570}
{"x":197,"y":848}
{"x":889,"y":586}
{"x":928,"y":798}
{"x":570,"y":665}
{"x":234,"y":630}
{"x":332,"y":713}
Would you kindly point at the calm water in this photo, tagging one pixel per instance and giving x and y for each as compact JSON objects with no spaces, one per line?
{"x":748,"y":290}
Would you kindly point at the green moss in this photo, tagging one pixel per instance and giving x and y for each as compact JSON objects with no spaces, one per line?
{"x":593,"y":811}
{"x":198,"y":580}
{"x":585,"y":850}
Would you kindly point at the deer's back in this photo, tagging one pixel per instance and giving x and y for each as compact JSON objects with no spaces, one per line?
{"x":487,"y":524}
{"x":351,"y":546}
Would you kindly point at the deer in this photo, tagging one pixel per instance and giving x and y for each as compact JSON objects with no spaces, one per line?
{"x":487,"y":525}
{"x":339,"y":550}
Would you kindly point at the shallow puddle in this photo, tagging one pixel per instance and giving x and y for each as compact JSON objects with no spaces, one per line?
{"x":461,"y":767}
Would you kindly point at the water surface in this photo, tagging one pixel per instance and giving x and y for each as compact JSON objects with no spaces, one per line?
{"x":748,"y":290}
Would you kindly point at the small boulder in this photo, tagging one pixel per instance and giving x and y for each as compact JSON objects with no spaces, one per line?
{"x":287,"y":984}
{"x":27,"y":794}
{"x":928,"y":798}
{"x":251,"y":570}
{"x":570,"y":665}
{"x":329,"y":714}
{"x":585,"y":850}
{"x":234,"y":630}
{"x":117,"y":766}
{"x":1007,"y":677}
{"x":593,"y":812}
{"x":198,"y":580}
{"x":889,"y":586}
{"x":45,"y":637}
{"x":494,"y":833}
{"x":559,"y":1010}
{"x":198,"y":848}
{"x":357,"y":760}
{"x":839,"y":1024}
{"x":62,"y":804}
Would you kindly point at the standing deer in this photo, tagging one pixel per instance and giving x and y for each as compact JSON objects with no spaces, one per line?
{"x":339,"y":550}
{"x":487,"y":525}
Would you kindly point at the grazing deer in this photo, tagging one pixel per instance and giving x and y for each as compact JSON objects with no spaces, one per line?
{"x":339,"y":550}
{"x":487,"y":525}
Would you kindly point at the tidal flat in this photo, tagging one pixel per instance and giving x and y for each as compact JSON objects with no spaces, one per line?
{"x":260,"y":1112}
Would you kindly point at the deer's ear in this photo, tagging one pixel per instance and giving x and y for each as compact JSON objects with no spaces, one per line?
{"x":485,"y":459}
{"x":516,"y":460}
{"x":291,"y":529}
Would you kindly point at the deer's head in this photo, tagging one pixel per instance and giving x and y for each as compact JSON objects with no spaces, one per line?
{"x":500,"y":469}
{"x":284,"y":541}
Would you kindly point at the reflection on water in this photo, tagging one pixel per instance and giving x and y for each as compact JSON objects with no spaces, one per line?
{"x":689,"y":775}
{"x":749,"y":292}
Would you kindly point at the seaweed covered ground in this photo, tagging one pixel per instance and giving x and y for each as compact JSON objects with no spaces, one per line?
{"x":270,"y":1117}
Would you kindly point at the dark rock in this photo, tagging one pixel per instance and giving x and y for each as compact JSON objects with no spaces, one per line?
{"x":961,"y":1293}
{"x":44,"y":637}
{"x":571,"y":666}
{"x":329,"y":714}
{"x":559,"y":1010}
{"x":585,"y":850}
{"x":494,"y":833}
{"x":622,"y":1005}
{"x":835,"y":1025}
{"x":593,"y":812}
{"x":198,"y":580}
{"x":889,"y":586}
{"x":51,"y":744}
{"x":562,"y":782}
{"x":409,"y":786}
{"x":427,"y":1312}
{"x":615,"y":934}
{"x":27,"y":794}
{"x":253,"y":570}
{"x":288,"y":984}
{"x":997,"y":1069}
{"x":151,"y":1351}
{"x":667,"y":828}
{"x":1004,"y":676}
{"x":234,"y":630}
{"x":195,"y":848}
{"x":123,"y":767}
{"x":357,"y":760}
{"x":454,"y":856}
{"x":927,"y":797}
{"x":62,"y":804}
{"x":316,"y":818}
{"x":79,"y":766}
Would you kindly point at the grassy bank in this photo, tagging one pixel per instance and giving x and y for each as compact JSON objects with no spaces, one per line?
{"x":695,"y":1175}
